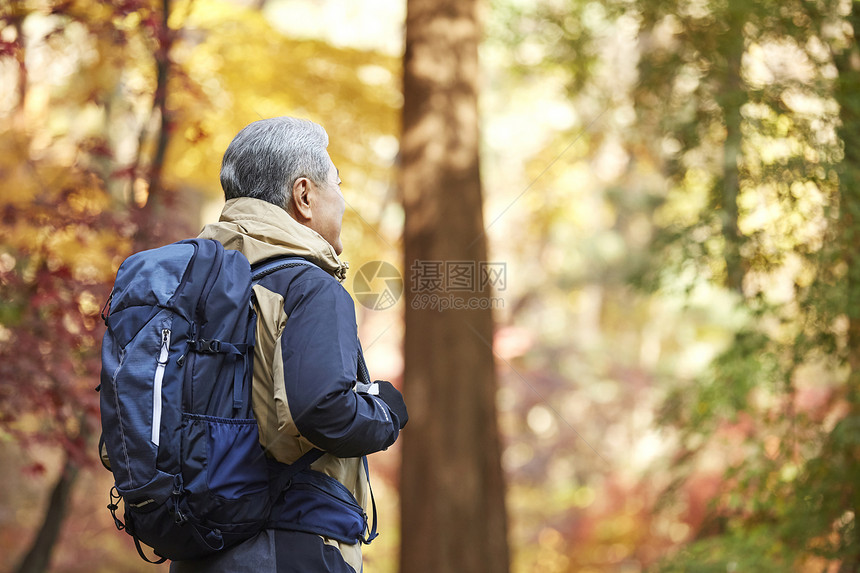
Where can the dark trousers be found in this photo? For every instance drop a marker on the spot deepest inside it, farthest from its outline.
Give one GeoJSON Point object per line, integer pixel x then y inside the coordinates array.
{"type": "Point", "coordinates": [272, 551]}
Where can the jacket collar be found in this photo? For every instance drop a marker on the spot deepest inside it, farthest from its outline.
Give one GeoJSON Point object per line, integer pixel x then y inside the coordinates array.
{"type": "Point", "coordinates": [263, 231]}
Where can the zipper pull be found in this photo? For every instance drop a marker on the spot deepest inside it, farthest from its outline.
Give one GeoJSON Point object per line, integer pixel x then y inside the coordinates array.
{"type": "Point", "coordinates": [165, 346]}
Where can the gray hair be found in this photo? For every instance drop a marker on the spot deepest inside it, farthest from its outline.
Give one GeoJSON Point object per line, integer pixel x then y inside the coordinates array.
{"type": "Point", "coordinates": [266, 158]}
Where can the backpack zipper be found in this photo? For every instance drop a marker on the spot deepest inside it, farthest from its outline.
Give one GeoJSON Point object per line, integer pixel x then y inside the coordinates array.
{"type": "Point", "coordinates": [200, 313]}
{"type": "Point", "coordinates": [156, 385]}
{"type": "Point", "coordinates": [350, 500]}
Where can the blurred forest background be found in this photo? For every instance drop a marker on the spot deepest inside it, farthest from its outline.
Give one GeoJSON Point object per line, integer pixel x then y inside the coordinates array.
{"type": "Point", "coordinates": [673, 187]}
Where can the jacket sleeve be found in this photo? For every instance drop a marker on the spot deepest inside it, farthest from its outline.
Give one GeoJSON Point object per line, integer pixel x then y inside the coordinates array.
{"type": "Point", "coordinates": [320, 355]}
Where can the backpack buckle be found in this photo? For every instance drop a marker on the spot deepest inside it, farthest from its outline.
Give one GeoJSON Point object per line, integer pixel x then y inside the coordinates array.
{"type": "Point", "coordinates": [208, 346]}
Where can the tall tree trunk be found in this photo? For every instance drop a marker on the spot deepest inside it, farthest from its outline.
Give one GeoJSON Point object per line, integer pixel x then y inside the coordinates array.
{"type": "Point", "coordinates": [162, 69]}
{"type": "Point", "coordinates": [38, 557]}
{"type": "Point", "coordinates": [452, 489]}
{"type": "Point", "coordinates": [20, 52]}
{"type": "Point", "coordinates": [848, 96]}
{"type": "Point", "coordinates": [148, 216]}
{"type": "Point", "coordinates": [731, 97]}
{"type": "Point", "coordinates": [13, 14]}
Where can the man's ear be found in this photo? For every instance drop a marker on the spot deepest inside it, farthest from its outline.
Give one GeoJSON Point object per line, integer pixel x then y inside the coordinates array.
{"type": "Point", "coordinates": [300, 205]}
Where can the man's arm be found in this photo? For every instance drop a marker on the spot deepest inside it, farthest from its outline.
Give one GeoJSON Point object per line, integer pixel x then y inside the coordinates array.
{"type": "Point", "coordinates": [320, 356]}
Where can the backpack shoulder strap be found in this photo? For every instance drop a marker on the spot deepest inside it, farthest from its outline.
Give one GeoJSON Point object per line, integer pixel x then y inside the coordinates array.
{"type": "Point", "coordinates": [283, 473]}
{"type": "Point", "coordinates": [264, 269]}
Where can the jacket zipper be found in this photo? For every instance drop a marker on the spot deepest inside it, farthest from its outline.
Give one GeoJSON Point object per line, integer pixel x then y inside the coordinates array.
{"type": "Point", "coordinates": [156, 385]}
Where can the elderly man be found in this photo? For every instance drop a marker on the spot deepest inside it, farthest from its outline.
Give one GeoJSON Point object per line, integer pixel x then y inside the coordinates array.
{"type": "Point", "coordinates": [309, 386]}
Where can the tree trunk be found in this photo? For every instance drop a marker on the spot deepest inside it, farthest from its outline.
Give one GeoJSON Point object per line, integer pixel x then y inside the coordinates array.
{"type": "Point", "coordinates": [848, 65]}
{"type": "Point", "coordinates": [162, 69]}
{"type": "Point", "coordinates": [149, 214]}
{"type": "Point", "coordinates": [16, 18]}
{"type": "Point", "coordinates": [452, 490]}
{"type": "Point", "coordinates": [38, 557]}
{"type": "Point", "coordinates": [732, 96]}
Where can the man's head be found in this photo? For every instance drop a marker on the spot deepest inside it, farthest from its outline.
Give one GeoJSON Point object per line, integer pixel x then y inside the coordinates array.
{"type": "Point", "coordinates": [284, 161]}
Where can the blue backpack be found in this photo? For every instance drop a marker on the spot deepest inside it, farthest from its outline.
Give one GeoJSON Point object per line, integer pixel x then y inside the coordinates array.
{"type": "Point", "coordinates": [177, 424]}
